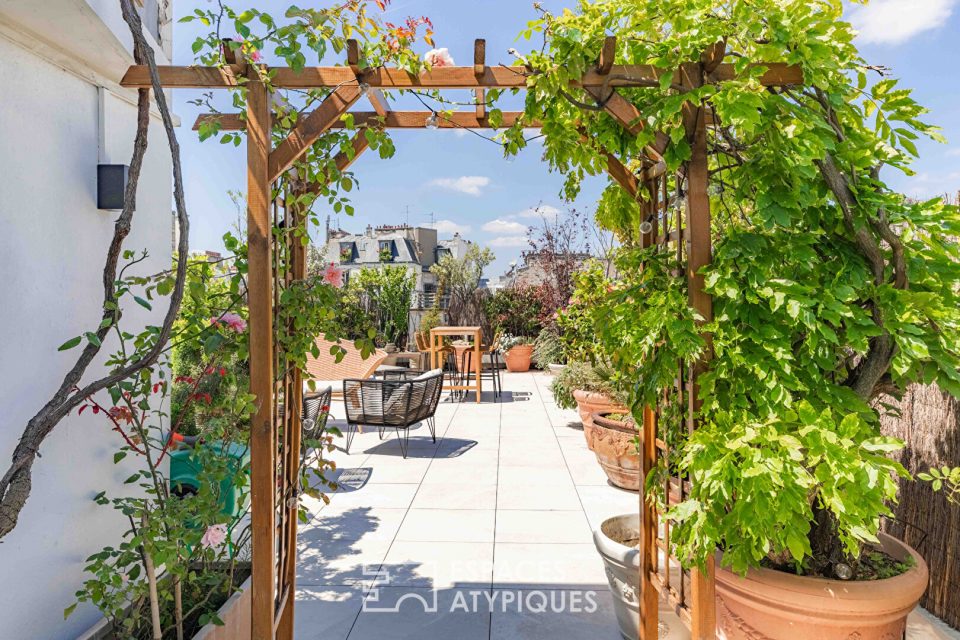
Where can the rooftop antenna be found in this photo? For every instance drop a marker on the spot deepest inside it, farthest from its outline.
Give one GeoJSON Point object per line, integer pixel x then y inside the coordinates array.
{"type": "Point", "coordinates": [408, 216]}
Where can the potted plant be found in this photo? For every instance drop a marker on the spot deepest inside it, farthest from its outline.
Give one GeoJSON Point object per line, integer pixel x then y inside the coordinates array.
{"type": "Point", "coordinates": [548, 351]}
{"type": "Point", "coordinates": [517, 352]}
{"type": "Point", "coordinates": [589, 390]}
{"type": "Point", "coordinates": [828, 288]}
{"type": "Point", "coordinates": [615, 443]}
{"type": "Point", "coordinates": [514, 314]}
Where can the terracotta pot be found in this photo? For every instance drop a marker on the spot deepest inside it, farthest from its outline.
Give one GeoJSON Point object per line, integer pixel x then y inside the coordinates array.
{"type": "Point", "coordinates": [518, 358]}
{"type": "Point", "coordinates": [613, 444]}
{"type": "Point", "coordinates": [773, 605]}
{"type": "Point", "coordinates": [589, 403]}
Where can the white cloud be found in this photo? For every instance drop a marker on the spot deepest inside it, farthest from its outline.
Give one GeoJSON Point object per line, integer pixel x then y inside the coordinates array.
{"type": "Point", "coordinates": [470, 185]}
{"type": "Point", "coordinates": [896, 21]}
{"type": "Point", "coordinates": [509, 241]}
{"type": "Point", "coordinates": [542, 211]}
{"type": "Point", "coordinates": [448, 227]}
{"type": "Point", "coordinates": [953, 153]}
{"type": "Point", "coordinates": [505, 227]}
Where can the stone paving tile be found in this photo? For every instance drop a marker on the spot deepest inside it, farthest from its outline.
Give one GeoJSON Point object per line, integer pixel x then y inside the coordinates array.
{"type": "Point", "coordinates": [326, 613]}
{"type": "Point", "coordinates": [542, 527]}
{"type": "Point", "coordinates": [405, 613]}
{"type": "Point", "coordinates": [448, 525]}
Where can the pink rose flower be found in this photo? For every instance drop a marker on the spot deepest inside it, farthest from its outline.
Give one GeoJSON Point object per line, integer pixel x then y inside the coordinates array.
{"type": "Point", "coordinates": [438, 58]}
{"type": "Point", "coordinates": [333, 276]}
{"type": "Point", "coordinates": [230, 320]}
{"type": "Point", "coordinates": [214, 536]}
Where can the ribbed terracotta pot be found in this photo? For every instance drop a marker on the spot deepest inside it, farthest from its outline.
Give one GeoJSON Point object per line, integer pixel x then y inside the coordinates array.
{"type": "Point", "coordinates": [613, 444]}
{"type": "Point", "coordinates": [773, 605]}
{"type": "Point", "coordinates": [518, 358]}
{"type": "Point", "coordinates": [589, 403]}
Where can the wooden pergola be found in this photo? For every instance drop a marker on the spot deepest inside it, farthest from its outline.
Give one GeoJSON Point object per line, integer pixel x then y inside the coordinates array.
{"type": "Point", "coordinates": [275, 441]}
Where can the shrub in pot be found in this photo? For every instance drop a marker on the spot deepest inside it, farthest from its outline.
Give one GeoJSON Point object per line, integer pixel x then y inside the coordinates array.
{"type": "Point", "coordinates": [615, 442]}
{"type": "Point", "coordinates": [588, 389]}
{"type": "Point", "coordinates": [548, 350]}
{"type": "Point", "coordinates": [517, 352]}
{"type": "Point", "coordinates": [829, 290]}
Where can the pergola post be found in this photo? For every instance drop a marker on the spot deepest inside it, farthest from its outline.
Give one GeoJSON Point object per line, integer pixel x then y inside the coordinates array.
{"type": "Point", "coordinates": [263, 464]}
{"type": "Point", "coordinates": [703, 622]}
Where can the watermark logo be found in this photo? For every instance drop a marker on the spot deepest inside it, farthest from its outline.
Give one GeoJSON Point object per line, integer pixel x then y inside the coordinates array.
{"type": "Point", "coordinates": [466, 600]}
{"type": "Point", "coordinates": [372, 602]}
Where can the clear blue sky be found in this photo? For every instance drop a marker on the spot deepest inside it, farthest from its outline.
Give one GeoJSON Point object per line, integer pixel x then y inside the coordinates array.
{"type": "Point", "coordinates": [463, 183]}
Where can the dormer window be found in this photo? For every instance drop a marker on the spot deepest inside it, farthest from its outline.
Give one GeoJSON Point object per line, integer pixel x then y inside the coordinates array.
{"type": "Point", "coordinates": [386, 251]}
{"type": "Point", "coordinates": [348, 252]}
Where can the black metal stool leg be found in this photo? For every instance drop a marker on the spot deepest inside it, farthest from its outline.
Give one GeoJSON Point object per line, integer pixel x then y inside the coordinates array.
{"type": "Point", "coordinates": [351, 432]}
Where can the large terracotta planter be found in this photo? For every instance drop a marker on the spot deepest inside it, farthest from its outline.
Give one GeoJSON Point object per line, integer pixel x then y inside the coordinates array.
{"type": "Point", "coordinates": [773, 605]}
{"type": "Point", "coordinates": [589, 403]}
{"type": "Point", "coordinates": [616, 450]}
{"type": "Point", "coordinates": [518, 358]}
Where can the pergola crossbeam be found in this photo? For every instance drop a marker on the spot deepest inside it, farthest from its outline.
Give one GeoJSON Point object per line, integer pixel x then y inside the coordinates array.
{"type": "Point", "coordinates": [498, 77]}
{"type": "Point", "coordinates": [390, 120]}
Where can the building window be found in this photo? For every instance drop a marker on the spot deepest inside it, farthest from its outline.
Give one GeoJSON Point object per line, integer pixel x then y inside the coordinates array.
{"type": "Point", "coordinates": [347, 252]}
{"type": "Point", "coordinates": [150, 13]}
{"type": "Point", "coordinates": [386, 251]}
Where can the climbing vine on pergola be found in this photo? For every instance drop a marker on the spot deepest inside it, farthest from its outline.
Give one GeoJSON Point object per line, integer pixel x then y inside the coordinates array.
{"type": "Point", "coordinates": [279, 194]}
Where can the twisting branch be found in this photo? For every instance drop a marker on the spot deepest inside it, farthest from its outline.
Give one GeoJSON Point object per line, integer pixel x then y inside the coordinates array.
{"type": "Point", "coordinates": [16, 483]}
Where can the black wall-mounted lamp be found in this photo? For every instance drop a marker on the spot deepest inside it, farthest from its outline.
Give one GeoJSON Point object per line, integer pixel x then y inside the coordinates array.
{"type": "Point", "coordinates": [111, 185]}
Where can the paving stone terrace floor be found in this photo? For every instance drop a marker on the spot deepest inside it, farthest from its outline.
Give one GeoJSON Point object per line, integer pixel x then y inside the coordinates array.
{"type": "Point", "coordinates": [484, 535]}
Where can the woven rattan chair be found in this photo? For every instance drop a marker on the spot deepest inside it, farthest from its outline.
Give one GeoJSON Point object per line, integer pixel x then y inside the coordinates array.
{"type": "Point", "coordinates": [316, 410]}
{"type": "Point", "coordinates": [393, 404]}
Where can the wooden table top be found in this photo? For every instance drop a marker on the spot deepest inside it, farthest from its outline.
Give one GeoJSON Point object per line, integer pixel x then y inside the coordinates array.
{"type": "Point", "coordinates": [453, 331]}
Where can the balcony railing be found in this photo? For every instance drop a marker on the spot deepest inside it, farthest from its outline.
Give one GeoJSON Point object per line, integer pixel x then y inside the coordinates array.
{"type": "Point", "coordinates": [428, 300]}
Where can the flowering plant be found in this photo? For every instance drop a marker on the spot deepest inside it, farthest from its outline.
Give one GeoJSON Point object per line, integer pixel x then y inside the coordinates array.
{"type": "Point", "coordinates": [505, 341]}
{"type": "Point", "coordinates": [439, 58]}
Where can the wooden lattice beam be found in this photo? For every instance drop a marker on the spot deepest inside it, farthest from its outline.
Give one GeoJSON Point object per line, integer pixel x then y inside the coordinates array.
{"type": "Point", "coordinates": [311, 128]}
{"type": "Point", "coordinates": [503, 77]}
{"type": "Point", "coordinates": [377, 100]}
{"type": "Point", "coordinates": [343, 160]}
{"type": "Point", "coordinates": [391, 120]}
{"type": "Point", "coordinates": [479, 68]}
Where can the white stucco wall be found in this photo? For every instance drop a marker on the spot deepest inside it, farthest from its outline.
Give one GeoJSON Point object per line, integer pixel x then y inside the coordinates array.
{"type": "Point", "coordinates": [52, 247]}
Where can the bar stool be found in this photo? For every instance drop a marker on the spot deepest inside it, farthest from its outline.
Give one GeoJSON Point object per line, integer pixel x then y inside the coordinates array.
{"type": "Point", "coordinates": [492, 374]}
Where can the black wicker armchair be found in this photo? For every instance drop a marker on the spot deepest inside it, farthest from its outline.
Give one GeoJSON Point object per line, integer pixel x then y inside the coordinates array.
{"type": "Point", "coordinates": [316, 410]}
{"type": "Point", "coordinates": [393, 404]}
